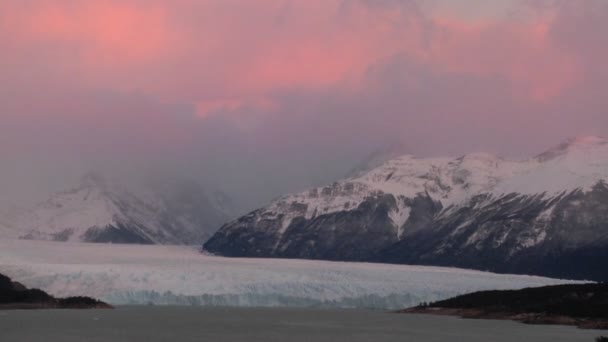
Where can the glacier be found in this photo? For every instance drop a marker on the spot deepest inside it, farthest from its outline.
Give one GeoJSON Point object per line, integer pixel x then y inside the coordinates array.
{"type": "Point", "coordinates": [182, 275]}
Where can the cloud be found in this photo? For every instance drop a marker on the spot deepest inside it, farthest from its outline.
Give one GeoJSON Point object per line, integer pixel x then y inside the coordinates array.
{"type": "Point", "coordinates": [272, 96]}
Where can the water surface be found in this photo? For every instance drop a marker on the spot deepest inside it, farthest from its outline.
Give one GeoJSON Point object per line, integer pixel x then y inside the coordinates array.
{"type": "Point", "coordinates": [151, 324]}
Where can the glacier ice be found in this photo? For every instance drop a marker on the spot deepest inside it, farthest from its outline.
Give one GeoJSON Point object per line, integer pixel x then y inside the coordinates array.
{"type": "Point", "coordinates": [179, 275]}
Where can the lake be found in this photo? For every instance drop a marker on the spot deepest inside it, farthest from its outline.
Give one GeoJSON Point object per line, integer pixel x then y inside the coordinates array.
{"type": "Point", "coordinates": [157, 323]}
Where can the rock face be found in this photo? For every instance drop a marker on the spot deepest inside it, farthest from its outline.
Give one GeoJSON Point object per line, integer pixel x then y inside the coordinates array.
{"type": "Point", "coordinates": [547, 215]}
{"type": "Point", "coordinates": [565, 236]}
{"type": "Point", "coordinates": [107, 212]}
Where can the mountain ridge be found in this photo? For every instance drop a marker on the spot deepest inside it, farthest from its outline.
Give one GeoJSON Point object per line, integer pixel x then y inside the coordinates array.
{"type": "Point", "coordinates": [428, 210]}
{"type": "Point", "coordinates": [102, 210]}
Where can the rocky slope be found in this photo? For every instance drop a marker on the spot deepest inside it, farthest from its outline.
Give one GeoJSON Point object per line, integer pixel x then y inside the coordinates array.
{"type": "Point", "coordinates": [99, 210]}
{"type": "Point", "coordinates": [546, 215]}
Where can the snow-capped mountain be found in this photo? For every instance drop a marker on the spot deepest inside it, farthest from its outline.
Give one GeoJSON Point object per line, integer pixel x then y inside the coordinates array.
{"type": "Point", "coordinates": [545, 215]}
{"type": "Point", "coordinates": [106, 211]}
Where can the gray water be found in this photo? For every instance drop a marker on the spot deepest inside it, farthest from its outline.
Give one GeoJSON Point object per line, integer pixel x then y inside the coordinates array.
{"type": "Point", "coordinates": [151, 324]}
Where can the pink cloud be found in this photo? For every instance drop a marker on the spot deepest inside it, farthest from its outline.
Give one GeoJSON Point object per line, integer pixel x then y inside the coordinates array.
{"type": "Point", "coordinates": [108, 32]}
{"type": "Point", "coordinates": [522, 52]}
{"type": "Point", "coordinates": [210, 51]}
{"type": "Point", "coordinates": [298, 85]}
{"type": "Point", "coordinates": [223, 56]}
{"type": "Point", "coordinates": [203, 51]}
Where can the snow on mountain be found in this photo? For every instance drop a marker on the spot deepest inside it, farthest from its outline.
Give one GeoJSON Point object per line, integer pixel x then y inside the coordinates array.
{"type": "Point", "coordinates": [106, 211]}
{"type": "Point", "coordinates": [578, 163]}
{"type": "Point", "coordinates": [406, 197]}
{"type": "Point", "coordinates": [174, 275]}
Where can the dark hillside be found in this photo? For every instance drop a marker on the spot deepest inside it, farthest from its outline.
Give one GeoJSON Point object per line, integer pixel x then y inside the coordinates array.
{"type": "Point", "coordinates": [14, 295]}
{"type": "Point", "coordinates": [584, 305]}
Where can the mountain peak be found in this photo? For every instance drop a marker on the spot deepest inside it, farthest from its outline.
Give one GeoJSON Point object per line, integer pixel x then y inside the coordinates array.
{"type": "Point", "coordinates": [580, 143]}
{"type": "Point", "coordinates": [101, 209]}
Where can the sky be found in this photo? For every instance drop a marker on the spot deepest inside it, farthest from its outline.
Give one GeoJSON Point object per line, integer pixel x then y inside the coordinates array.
{"type": "Point", "coordinates": [260, 98]}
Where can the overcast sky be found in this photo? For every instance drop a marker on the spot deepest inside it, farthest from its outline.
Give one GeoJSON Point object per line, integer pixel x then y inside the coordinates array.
{"type": "Point", "coordinates": [264, 97]}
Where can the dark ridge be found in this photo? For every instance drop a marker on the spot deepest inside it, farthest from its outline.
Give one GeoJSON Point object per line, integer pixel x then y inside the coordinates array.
{"type": "Point", "coordinates": [583, 305]}
{"type": "Point", "coordinates": [14, 295]}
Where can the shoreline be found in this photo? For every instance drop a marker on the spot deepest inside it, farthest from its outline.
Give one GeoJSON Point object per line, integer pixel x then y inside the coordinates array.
{"type": "Point", "coordinates": [525, 318]}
